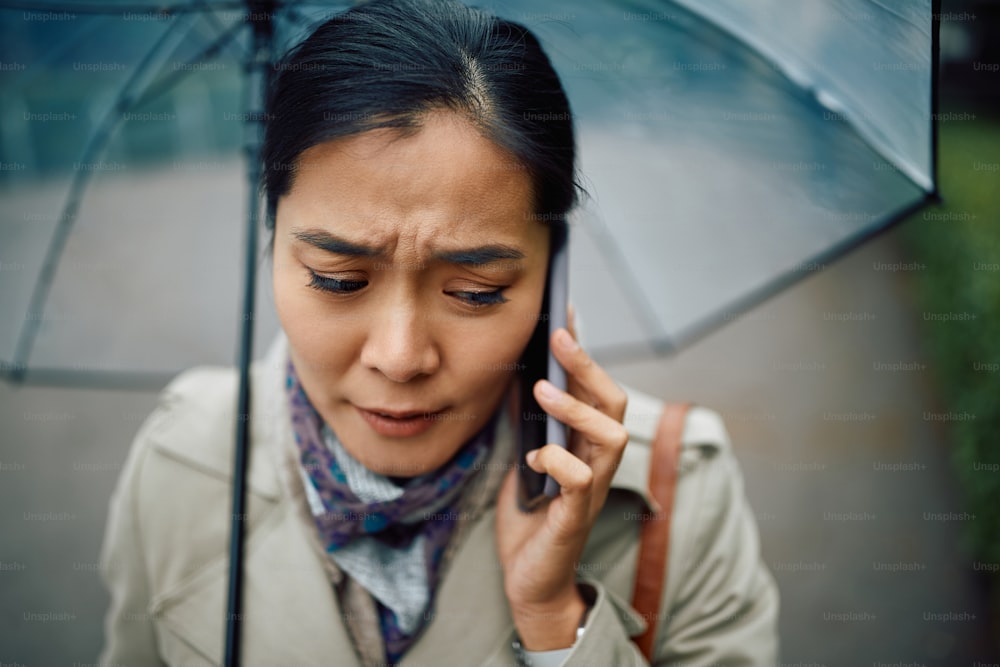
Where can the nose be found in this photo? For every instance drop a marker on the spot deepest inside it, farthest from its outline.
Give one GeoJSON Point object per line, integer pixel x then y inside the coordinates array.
{"type": "Point", "coordinates": [400, 345]}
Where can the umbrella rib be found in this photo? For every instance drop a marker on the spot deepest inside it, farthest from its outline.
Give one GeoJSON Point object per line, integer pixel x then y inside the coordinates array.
{"type": "Point", "coordinates": [147, 381]}
{"type": "Point", "coordinates": [163, 85]}
{"type": "Point", "coordinates": [38, 68]}
{"type": "Point", "coordinates": [214, 22]}
{"type": "Point", "coordinates": [297, 16]}
{"type": "Point", "coordinates": [899, 16]}
{"type": "Point", "coordinates": [56, 246]}
{"type": "Point", "coordinates": [771, 288]}
{"type": "Point", "coordinates": [630, 352]}
{"type": "Point", "coordinates": [113, 8]}
{"type": "Point", "coordinates": [619, 263]}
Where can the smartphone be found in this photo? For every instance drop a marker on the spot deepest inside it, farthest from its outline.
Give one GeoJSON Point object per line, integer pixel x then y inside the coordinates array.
{"type": "Point", "coordinates": [537, 428]}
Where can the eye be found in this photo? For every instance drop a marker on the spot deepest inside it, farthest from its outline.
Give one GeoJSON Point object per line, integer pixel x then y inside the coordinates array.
{"type": "Point", "coordinates": [480, 299]}
{"type": "Point", "coordinates": [334, 285]}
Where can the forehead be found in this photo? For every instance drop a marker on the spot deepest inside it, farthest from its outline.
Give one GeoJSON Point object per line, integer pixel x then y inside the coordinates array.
{"type": "Point", "coordinates": [445, 181]}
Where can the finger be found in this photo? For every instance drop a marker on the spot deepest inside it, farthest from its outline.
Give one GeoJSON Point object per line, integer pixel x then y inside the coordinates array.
{"type": "Point", "coordinates": [572, 385]}
{"type": "Point", "coordinates": [603, 392]}
{"type": "Point", "coordinates": [576, 483]}
{"type": "Point", "coordinates": [587, 420]}
{"type": "Point", "coordinates": [607, 437]}
{"type": "Point", "coordinates": [571, 320]}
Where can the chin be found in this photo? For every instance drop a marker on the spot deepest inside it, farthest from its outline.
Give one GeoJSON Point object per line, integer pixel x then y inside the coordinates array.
{"type": "Point", "coordinates": [399, 459]}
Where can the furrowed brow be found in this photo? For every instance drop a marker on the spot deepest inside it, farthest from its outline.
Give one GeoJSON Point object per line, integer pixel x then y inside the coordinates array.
{"type": "Point", "coordinates": [324, 240]}
{"type": "Point", "coordinates": [478, 256]}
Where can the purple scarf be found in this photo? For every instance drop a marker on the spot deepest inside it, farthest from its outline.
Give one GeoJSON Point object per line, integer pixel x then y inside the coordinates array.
{"type": "Point", "coordinates": [347, 517]}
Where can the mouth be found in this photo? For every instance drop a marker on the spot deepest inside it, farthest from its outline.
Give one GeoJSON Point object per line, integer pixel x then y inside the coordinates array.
{"type": "Point", "coordinates": [400, 414]}
{"type": "Point", "coordinates": [399, 423]}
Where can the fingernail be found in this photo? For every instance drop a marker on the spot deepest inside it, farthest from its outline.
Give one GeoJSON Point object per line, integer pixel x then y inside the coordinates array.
{"type": "Point", "coordinates": [531, 456]}
{"type": "Point", "coordinates": [567, 341]}
{"type": "Point", "coordinates": [548, 390]}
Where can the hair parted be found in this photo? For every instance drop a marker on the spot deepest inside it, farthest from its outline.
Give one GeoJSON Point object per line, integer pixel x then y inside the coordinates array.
{"type": "Point", "coordinates": [387, 63]}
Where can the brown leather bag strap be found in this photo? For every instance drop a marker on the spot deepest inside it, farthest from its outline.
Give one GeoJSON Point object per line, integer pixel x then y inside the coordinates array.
{"type": "Point", "coordinates": [654, 534]}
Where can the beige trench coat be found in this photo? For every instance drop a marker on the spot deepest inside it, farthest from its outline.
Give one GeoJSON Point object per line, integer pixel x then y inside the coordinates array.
{"type": "Point", "coordinates": [164, 558]}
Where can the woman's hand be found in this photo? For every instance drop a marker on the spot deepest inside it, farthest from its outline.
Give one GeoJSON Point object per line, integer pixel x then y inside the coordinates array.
{"type": "Point", "coordinates": [539, 551]}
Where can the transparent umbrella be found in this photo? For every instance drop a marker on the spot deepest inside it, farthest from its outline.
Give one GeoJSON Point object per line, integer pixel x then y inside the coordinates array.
{"type": "Point", "coordinates": [728, 148]}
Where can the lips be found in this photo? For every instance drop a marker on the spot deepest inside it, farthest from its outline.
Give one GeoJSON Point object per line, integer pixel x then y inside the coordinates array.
{"type": "Point", "coordinates": [399, 423]}
{"type": "Point", "coordinates": [399, 414]}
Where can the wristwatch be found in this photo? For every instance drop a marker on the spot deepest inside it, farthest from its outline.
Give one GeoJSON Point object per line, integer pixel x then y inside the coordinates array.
{"type": "Point", "coordinates": [522, 657]}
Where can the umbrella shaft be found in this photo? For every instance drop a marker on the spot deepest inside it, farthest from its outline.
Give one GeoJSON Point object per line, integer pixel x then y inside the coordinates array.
{"type": "Point", "coordinates": [260, 15]}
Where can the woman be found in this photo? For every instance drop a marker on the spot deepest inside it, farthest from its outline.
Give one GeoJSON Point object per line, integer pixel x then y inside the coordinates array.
{"type": "Point", "coordinates": [414, 155]}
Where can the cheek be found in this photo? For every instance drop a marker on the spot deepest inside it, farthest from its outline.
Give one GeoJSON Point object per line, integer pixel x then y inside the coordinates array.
{"type": "Point", "coordinates": [490, 355]}
{"type": "Point", "coordinates": [307, 325]}
{"type": "Point", "coordinates": [291, 303]}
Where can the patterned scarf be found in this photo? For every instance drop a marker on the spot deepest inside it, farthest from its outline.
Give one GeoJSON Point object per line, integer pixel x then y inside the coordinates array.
{"type": "Point", "coordinates": [381, 540]}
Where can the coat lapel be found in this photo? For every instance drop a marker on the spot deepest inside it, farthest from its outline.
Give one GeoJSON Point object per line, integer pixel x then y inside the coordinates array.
{"type": "Point", "coordinates": [471, 622]}
{"type": "Point", "coordinates": [290, 611]}
{"type": "Point", "coordinates": [471, 618]}
{"type": "Point", "coordinates": [290, 614]}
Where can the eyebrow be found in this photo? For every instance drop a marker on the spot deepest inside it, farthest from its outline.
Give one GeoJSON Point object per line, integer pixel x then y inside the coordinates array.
{"type": "Point", "coordinates": [486, 254]}
{"type": "Point", "coordinates": [324, 240]}
{"type": "Point", "coordinates": [479, 256]}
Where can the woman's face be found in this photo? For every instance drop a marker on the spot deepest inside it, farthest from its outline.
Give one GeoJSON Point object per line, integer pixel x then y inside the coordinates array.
{"type": "Point", "coordinates": [408, 276]}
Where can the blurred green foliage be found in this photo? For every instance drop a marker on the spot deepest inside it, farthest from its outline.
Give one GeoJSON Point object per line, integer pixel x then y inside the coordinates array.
{"type": "Point", "coordinates": [959, 241]}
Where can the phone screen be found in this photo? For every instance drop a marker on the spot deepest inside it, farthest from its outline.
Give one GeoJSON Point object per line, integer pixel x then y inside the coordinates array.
{"type": "Point", "coordinates": [536, 427]}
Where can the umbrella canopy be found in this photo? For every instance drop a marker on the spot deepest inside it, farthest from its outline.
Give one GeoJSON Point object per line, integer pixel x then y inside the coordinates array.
{"type": "Point", "coordinates": [727, 148]}
{"type": "Point", "coordinates": [732, 147]}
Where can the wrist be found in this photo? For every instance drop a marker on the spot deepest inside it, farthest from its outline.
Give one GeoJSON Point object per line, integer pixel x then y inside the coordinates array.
{"type": "Point", "coordinates": [551, 626]}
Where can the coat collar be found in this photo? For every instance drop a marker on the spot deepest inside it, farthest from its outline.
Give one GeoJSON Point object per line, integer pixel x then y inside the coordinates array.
{"type": "Point", "coordinates": [208, 395]}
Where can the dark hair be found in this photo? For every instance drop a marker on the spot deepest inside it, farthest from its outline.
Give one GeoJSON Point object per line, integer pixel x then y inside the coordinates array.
{"type": "Point", "coordinates": [387, 63]}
